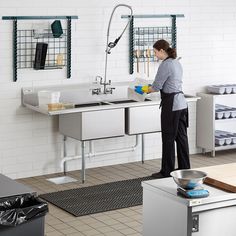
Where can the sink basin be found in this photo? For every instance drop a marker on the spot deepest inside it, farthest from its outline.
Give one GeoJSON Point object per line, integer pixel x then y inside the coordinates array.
{"type": "Point", "coordinates": [106, 103]}
{"type": "Point", "coordinates": [90, 104]}
{"type": "Point", "coordinates": [122, 101]}
{"type": "Point", "coordinates": [127, 101]}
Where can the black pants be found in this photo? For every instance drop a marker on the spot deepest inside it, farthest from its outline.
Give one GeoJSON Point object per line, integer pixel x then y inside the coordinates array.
{"type": "Point", "coordinates": [174, 129]}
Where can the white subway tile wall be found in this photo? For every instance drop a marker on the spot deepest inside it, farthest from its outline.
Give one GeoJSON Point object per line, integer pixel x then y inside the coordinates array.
{"type": "Point", "coordinates": [30, 143]}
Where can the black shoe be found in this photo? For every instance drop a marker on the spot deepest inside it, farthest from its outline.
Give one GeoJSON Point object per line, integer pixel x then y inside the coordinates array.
{"type": "Point", "coordinates": [158, 175]}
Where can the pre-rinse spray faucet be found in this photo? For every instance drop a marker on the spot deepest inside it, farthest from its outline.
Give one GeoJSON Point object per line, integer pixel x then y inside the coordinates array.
{"type": "Point", "coordinates": [110, 45]}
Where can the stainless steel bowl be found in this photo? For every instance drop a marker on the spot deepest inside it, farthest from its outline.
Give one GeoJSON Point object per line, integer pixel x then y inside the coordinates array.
{"type": "Point", "coordinates": [188, 179]}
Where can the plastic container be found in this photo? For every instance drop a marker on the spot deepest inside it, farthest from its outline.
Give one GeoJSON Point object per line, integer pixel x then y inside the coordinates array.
{"type": "Point", "coordinates": [234, 88]}
{"type": "Point", "coordinates": [22, 215]}
{"type": "Point", "coordinates": [219, 114]}
{"type": "Point", "coordinates": [233, 139]}
{"type": "Point", "coordinates": [226, 114]}
{"type": "Point", "coordinates": [48, 97]}
{"type": "Point", "coordinates": [219, 141]}
{"type": "Point", "coordinates": [218, 89]}
{"type": "Point", "coordinates": [233, 113]}
{"type": "Point", "coordinates": [136, 96]}
{"type": "Point", "coordinates": [222, 88]}
{"type": "Point", "coordinates": [230, 135]}
{"type": "Point", "coordinates": [228, 140]}
{"type": "Point", "coordinates": [228, 89]}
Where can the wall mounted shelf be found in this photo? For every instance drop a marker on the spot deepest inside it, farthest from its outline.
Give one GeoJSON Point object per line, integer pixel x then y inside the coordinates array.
{"type": "Point", "coordinates": [24, 43]}
{"type": "Point", "coordinates": [141, 39]}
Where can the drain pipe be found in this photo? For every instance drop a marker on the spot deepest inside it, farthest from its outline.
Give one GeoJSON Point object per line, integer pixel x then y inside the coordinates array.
{"type": "Point", "coordinates": [93, 154]}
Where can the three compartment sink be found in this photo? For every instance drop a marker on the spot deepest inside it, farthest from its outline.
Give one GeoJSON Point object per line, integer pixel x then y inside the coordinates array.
{"type": "Point", "coordinates": [96, 124]}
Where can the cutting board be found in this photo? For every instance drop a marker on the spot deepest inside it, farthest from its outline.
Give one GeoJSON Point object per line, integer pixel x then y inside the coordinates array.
{"type": "Point", "coordinates": [221, 176]}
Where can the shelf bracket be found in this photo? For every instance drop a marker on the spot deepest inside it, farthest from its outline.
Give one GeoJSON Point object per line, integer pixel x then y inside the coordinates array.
{"type": "Point", "coordinates": [68, 47]}
{"type": "Point", "coordinates": [174, 31]}
{"type": "Point", "coordinates": [14, 50]}
{"type": "Point", "coordinates": [131, 48]}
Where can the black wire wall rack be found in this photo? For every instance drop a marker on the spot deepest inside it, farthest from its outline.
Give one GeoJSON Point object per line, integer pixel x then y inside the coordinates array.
{"type": "Point", "coordinates": [141, 39]}
{"type": "Point", "coordinates": [24, 44]}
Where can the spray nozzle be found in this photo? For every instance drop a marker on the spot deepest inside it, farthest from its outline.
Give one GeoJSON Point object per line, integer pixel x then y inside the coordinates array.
{"type": "Point", "coordinates": [112, 45]}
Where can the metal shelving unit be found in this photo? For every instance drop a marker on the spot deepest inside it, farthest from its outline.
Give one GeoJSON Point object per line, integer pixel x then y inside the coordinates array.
{"type": "Point", "coordinates": [24, 44]}
{"type": "Point", "coordinates": [142, 39]}
{"type": "Point", "coordinates": [207, 123]}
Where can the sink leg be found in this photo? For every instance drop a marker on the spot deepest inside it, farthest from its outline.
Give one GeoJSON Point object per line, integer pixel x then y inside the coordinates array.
{"type": "Point", "coordinates": [64, 153]}
{"type": "Point", "coordinates": [143, 147]}
{"type": "Point", "coordinates": [83, 161]}
{"type": "Point", "coordinates": [213, 153]}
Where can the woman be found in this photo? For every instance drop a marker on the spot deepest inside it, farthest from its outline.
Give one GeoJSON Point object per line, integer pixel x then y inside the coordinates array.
{"type": "Point", "coordinates": [174, 110]}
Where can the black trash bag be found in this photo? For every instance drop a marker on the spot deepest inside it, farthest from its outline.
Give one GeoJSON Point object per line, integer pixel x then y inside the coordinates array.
{"type": "Point", "coordinates": [20, 209]}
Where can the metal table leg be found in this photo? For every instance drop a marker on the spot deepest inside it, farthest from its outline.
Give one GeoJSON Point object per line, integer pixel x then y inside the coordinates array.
{"type": "Point", "coordinates": [64, 153]}
{"type": "Point", "coordinates": [63, 179]}
{"type": "Point", "coordinates": [142, 147]}
{"type": "Point", "coordinates": [83, 161]}
{"type": "Point", "coordinates": [213, 153]}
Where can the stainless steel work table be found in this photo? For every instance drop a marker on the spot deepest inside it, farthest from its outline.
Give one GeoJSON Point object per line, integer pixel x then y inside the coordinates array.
{"type": "Point", "coordinates": [9, 188]}
{"type": "Point", "coordinates": [166, 213]}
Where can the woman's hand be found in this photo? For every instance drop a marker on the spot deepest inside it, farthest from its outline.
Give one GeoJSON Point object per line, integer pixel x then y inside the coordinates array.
{"type": "Point", "coordinates": [142, 89]}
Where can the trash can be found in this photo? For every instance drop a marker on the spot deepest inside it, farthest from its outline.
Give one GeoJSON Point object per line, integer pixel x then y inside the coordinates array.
{"type": "Point", "coordinates": [22, 215]}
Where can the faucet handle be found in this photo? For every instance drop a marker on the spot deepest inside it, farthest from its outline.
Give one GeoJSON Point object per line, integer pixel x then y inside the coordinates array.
{"type": "Point", "coordinates": [96, 91]}
{"type": "Point", "coordinates": [98, 77]}
{"type": "Point", "coordinates": [109, 90]}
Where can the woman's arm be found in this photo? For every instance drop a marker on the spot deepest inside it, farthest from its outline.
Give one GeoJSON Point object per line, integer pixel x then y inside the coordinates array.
{"type": "Point", "coordinates": [162, 75]}
{"type": "Point", "coordinates": [151, 90]}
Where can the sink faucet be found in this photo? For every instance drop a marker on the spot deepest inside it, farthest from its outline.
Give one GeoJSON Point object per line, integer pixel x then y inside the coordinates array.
{"type": "Point", "coordinates": [109, 46]}
{"type": "Point", "coordinates": [106, 90]}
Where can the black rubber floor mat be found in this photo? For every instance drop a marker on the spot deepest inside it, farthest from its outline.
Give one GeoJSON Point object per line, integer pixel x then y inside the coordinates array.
{"type": "Point", "coordinates": [98, 198]}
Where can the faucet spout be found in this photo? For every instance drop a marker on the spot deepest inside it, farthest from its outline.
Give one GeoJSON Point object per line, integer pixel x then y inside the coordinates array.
{"type": "Point", "coordinates": [110, 45]}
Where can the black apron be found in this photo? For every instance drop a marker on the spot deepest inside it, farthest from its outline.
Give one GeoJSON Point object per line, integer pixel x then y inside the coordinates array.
{"type": "Point", "coordinates": [174, 129]}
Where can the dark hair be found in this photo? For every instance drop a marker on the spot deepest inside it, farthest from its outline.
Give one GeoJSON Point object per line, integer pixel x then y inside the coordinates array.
{"type": "Point", "coordinates": [163, 44]}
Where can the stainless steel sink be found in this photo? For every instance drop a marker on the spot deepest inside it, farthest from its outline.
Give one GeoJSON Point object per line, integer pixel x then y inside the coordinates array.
{"type": "Point", "coordinates": [96, 124]}
{"type": "Point", "coordinates": [122, 101]}
{"type": "Point", "coordinates": [126, 101]}
{"type": "Point", "coordinates": [142, 119]}
{"type": "Point", "coordinates": [90, 104]}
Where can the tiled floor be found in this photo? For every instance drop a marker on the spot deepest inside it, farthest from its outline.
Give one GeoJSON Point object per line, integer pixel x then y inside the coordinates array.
{"type": "Point", "coordinates": [126, 221]}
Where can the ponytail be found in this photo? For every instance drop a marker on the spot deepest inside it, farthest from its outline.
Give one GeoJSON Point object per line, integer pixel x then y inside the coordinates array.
{"type": "Point", "coordinates": [171, 52]}
{"type": "Point", "coordinates": [163, 44]}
